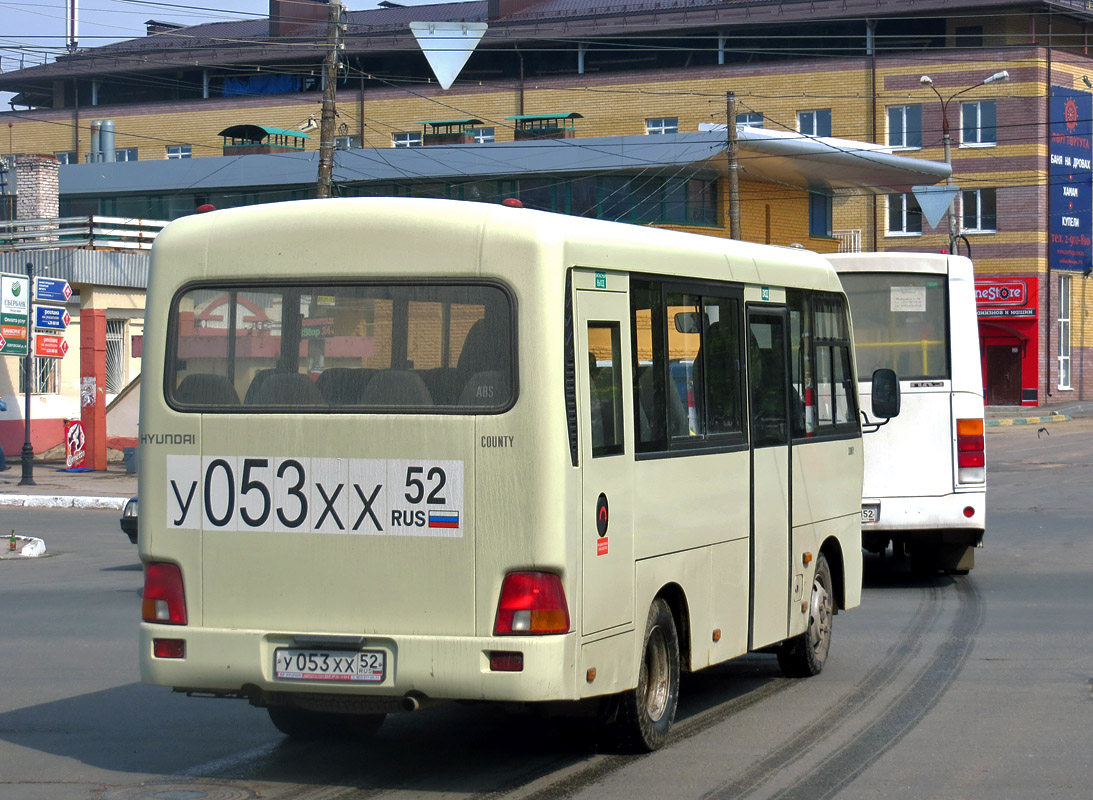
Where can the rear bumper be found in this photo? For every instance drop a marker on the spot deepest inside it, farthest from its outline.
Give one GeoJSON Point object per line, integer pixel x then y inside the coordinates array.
{"type": "Point", "coordinates": [929, 515]}
{"type": "Point", "coordinates": [241, 662]}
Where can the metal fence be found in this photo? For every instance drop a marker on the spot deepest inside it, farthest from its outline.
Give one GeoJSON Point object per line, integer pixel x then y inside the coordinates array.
{"type": "Point", "coordinates": [93, 231]}
{"type": "Point", "coordinates": [849, 240]}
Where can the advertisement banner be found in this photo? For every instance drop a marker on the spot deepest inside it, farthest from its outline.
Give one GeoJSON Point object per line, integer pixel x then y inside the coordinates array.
{"type": "Point", "coordinates": [1070, 192]}
{"type": "Point", "coordinates": [75, 442]}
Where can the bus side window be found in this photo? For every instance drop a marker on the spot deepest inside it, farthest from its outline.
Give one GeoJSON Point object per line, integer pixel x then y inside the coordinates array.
{"type": "Point", "coordinates": [605, 388]}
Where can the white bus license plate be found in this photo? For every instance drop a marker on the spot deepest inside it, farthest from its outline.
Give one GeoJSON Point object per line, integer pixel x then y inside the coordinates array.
{"type": "Point", "coordinates": [329, 665]}
{"type": "Point", "coordinates": [870, 513]}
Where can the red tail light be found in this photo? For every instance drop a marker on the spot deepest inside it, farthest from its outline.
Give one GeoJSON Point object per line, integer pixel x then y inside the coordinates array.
{"type": "Point", "coordinates": [531, 603]}
{"type": "Point", "coordinates": [164, 597]}
{"type": "Point", "coordinates": [970, 451]}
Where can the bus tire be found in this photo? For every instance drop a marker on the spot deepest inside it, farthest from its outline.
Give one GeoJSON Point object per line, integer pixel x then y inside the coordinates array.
{"type": "Point", "coordinates": [305, 725]}
{"type": "Point", "coordinates": [804, 655]}
{"type": "Point", "coordinates": [645, 714]}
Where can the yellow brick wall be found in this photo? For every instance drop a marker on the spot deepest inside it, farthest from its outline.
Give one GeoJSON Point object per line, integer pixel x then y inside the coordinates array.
{"type": "Point", "coordinates": [616, 104]}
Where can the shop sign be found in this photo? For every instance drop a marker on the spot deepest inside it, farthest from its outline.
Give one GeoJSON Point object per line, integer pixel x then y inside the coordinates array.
{"type": "Point", "coordinates": [1004, 298]}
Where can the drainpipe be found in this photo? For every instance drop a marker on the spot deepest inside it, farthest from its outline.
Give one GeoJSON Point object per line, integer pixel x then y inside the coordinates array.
{"type": "Point", "coordinates": [871, 51]}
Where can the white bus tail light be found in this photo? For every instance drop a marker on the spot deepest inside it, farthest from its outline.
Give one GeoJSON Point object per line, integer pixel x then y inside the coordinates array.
{"type": "Point", "coordinates": [164, 597]}
{"type": "Point", "coordinates": [531, 603]}
{"type": "Point", "coordinates": [971, 458]}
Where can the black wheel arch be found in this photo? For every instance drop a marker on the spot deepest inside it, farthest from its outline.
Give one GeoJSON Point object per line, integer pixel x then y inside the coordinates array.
{"type": "Point", "coordinates": [674, 596]}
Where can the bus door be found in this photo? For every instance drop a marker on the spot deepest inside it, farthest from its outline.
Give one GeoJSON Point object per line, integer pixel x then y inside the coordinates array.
{"type": "Point", "coordinates": [770, 475]}
{"type": "Point", "coordinates": [604, 403]}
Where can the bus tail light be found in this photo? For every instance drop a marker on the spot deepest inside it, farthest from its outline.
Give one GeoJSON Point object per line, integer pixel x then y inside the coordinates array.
{"type": "Point", "coordinates": [531, 603]}
{"type": "Point", "coordinates": [169, 648]}
{"type": "Point", "coordinates": [164, 597]}
{"type": "Point", "coordinates": [971, 457]}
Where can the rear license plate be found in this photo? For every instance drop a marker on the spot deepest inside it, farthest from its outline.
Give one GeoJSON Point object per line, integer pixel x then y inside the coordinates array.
{"type": "Point", "coordinates": [368, 666]}
{"type": "Point", "coordinates": [870, 513]}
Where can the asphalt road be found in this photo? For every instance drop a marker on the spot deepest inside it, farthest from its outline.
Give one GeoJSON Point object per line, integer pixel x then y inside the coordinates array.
{"type": "Point", "coordinates": [974, 687]}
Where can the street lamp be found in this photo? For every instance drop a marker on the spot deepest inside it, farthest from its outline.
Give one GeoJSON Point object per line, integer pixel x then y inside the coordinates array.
{"type": "Point", "coordinates": [926, 80]}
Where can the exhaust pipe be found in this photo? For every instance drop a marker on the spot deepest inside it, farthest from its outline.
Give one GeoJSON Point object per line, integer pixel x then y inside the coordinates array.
{"type": "Point", "coordinates": [412, 701]}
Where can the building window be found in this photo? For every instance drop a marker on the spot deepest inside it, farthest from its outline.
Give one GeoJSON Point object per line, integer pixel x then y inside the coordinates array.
{"type": "Point", "coordinates": [904, 215]}
{"type": "Point", "coordinates": [815, 123]}
{"type": "Point", "coordinates": [969, 36]}
{"type": "Point", "coordinates": [347, 142]}
{"type": "Point", "coordinates": [406, 139]}
{"type": "Point", "coordinates": [978, 124]}
{"type": "Point", "coordinates": [66, 157]}
{"type": "Point", "coordinates": [662, 125]}
{"type": "Point", "coordinates": [980, 210]}
{"type": "Point", "coordinates": [179, 151]}
{"type": "Point", "coordinates": [1064, 332]}
{"type": "Point", "coordinates": [483, 135]}
{"type": "Point", "coordinates": [750, 118]}
{"type": "Point", "coordinates": [125, 154]}
{"type": "Point", "coordinates": [819, 215]}
{"type": "Point", "coordinates": [115, 355]}
{"type": "Point", "coordinates": [905, 126]}
{"type": "Point", "coordinates": [45, 373]}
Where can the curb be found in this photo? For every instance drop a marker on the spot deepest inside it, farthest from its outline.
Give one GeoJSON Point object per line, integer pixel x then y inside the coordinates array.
{"type": "Point", "coordinates": [62, 501]}
{"type": "Point", "coordinates": [1027, 420]}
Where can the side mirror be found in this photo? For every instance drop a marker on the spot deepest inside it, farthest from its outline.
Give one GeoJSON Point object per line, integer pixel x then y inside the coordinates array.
{"type": "Point", "coordinates": [885, 394]}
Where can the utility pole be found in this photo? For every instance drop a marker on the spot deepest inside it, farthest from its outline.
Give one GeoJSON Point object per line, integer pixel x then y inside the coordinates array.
{"type": "Point", "coordinates": [734, 176]}
{"type": "Point", "coordinates": [330, 80]}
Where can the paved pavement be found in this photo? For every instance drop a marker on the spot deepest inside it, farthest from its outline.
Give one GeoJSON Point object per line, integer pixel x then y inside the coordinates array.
{"type": "Point", "coordinates": [54, 487]}
{"type": "Point", "coordinates": [57, 488]}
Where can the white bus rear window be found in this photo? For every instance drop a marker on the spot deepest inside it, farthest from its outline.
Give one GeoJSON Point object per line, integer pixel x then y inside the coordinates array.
{"type": "Point", "coordinates": [900, 323]}
{"type": "Point", "coordinates": [420, 348]}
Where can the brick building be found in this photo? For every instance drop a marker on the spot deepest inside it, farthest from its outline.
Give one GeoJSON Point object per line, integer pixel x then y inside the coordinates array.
{"type": "Point", "coordinates": [827, 68]}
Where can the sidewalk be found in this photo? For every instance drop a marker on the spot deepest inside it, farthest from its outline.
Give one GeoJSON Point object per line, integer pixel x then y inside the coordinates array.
{"type": "Point", "coordinates": [1030, 415]}
{"type": "Point", "coordinates": [56, 488]}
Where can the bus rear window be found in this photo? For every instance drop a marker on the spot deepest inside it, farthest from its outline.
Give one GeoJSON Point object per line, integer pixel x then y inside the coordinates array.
{"type": "Point", "coordinates": [900, 322]}
{"type": "Point", "coordinates": [419, 348]}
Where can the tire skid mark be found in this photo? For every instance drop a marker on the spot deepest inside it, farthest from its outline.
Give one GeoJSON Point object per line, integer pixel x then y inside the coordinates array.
{"type": "Point", "coordinates": [905, 711]}
{"type": "Point", "coordinates": [879, 677]}
{"type": "Point", "coordinates": [925, 616]}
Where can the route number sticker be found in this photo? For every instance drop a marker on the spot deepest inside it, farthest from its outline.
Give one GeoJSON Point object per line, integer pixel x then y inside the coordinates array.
{"type": "Point", "coordinates": [370, 496]}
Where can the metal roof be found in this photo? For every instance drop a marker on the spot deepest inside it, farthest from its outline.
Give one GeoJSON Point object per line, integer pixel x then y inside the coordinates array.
{"type": "Point", "coordinates": [382, 30]}
{"type": "Point", "coordinates": [825, 165]}
{"type": "Point", "coordinates": [128, 270]}
{"type": "Point", "coordinates": [560, 115]}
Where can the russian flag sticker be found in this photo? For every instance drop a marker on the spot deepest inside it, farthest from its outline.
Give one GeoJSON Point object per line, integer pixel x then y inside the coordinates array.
{"type": "Point", "coordinates": [443, 519]}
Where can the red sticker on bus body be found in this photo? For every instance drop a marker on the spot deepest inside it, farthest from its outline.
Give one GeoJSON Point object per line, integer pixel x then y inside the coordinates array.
{"type": "Point", "coordinates": [601, 546]}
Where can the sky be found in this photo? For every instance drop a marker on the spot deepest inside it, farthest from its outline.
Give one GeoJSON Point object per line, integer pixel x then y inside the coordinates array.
{"type": "Point", "coordinates": [34, 31]}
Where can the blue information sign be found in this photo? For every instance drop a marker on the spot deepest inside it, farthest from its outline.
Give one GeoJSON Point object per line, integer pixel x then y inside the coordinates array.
{"type": "Point", "coordinates": [52, 290]}
{"type": "Point", "coordinates": [1071, 170]}
{"type": "Point", "coordinates": [51, 318]}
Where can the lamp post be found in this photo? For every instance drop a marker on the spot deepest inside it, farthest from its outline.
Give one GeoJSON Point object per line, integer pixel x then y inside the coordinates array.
{"type": "Point", "coordinates": [946, 139]}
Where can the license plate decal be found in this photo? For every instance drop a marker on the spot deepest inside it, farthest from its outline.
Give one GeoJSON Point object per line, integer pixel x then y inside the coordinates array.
{"type": "Point", "coordinates": [870, 514]}
{"type": "Point", "coordinates": [366, 666]}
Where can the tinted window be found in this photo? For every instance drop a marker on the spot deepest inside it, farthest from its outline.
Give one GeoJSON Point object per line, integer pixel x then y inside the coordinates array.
{"type": "Point", "coordinates": [338, 347]}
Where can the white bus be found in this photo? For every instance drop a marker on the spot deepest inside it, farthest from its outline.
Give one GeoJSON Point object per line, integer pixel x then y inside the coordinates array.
{"type": "Point", "coordinates": [399, 451]}
{"type": "Point", "coordinates": [925, 473]}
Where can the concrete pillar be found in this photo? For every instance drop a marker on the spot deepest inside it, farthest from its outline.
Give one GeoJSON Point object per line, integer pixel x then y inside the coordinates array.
{"type": "Point", "coordinates": [93, 384]}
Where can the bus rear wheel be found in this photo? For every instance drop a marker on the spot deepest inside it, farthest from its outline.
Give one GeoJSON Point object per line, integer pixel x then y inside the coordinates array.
{"type": "Point", "coordinates": [645, 713]}
{"type": "Point", "coordinates": [298, 723]}
{"type": "Point", "coordinates": [804, 655]}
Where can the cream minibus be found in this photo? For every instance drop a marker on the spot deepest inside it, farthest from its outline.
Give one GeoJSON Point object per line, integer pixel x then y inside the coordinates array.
{"type": "Point", "coordinates": [925, 489]}
{"type": "Point", "coordinates": [396, 451]}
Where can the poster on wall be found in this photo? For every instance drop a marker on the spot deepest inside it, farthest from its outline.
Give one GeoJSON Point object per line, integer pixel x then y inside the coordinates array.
{"type": "Point", "coordinates": [1071, 195]}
